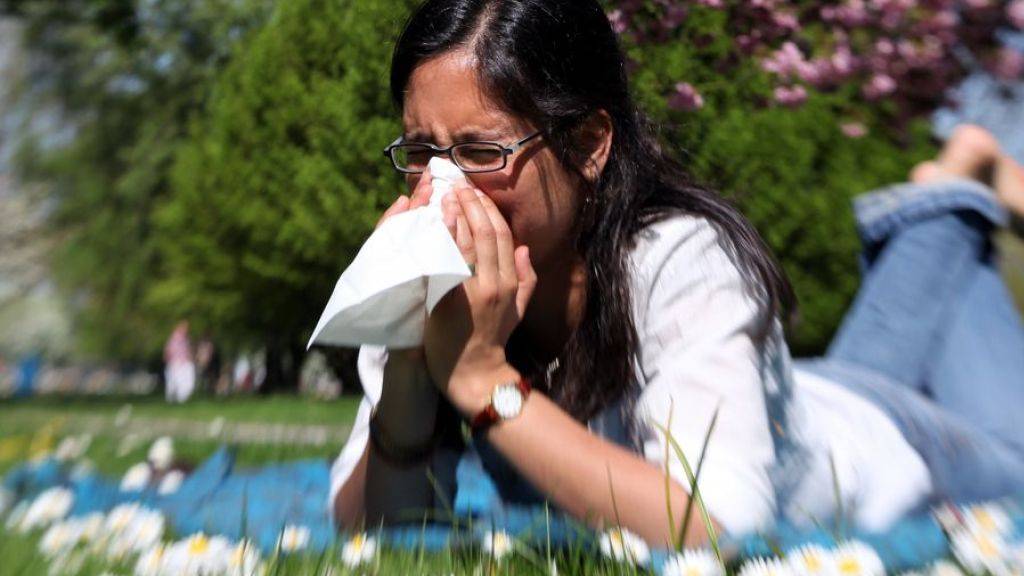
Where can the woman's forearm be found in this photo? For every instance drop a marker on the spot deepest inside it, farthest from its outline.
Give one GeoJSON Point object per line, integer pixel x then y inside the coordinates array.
{"type": "Point", "coordinates": [589, 477]}
{"type": "Point", "coordinates": [379, 490]}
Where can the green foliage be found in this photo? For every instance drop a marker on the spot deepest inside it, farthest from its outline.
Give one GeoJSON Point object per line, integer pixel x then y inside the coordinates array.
{"type": "Point", "coordinates": [791, 170]}
{"type": "Point", "coordinates": [283, 176]}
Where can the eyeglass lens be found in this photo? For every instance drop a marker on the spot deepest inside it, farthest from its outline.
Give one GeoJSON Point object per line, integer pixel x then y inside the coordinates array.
{"type": "Point", "coordinates": [470, 157]}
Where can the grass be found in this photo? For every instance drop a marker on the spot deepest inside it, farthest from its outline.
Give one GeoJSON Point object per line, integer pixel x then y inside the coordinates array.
{"type": "Point", "coordinates": [280, 409]}
{"type": "Point", "coordinates": [1012, 250]}
{"type": "Point", "coordinates": [30, 426]}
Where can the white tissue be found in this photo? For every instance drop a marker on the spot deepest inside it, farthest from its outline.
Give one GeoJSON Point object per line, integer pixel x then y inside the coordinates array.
{"type": "Point", "coordinates": [406, 266]}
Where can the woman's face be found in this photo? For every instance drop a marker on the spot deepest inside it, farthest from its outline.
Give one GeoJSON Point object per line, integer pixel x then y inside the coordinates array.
{"type": "Point", "coordinates": [445, 105]}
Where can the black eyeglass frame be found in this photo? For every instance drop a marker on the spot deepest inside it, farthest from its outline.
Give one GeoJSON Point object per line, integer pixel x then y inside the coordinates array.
{"type": "Point", "coordinates": [506, 151]}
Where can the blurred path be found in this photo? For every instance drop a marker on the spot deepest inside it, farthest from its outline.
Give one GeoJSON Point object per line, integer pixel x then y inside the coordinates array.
{"type": "Point", "coordinates": [145, 428]}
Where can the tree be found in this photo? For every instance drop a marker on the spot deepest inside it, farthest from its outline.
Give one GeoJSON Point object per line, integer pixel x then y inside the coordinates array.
{"type": "Point", "coordinates": [283, 177]}
{"type": "Point", "coordinates": [115, 82]}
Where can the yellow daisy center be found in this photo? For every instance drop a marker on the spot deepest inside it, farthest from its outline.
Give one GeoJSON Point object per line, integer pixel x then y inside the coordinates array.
{"type": "Point", "coordinates": [985, 520]}
{"type": "Point", "coordinates": [987, 547]}
{"type": "Point", "coordinates": [812, 562]}
{"type": "Point", "coordinates": [849, 565]}
{"type": "Point", "coordinates": [198, 545]}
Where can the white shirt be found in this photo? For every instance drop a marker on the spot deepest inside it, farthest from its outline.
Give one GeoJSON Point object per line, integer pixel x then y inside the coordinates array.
{"type": "Point", "coordinates": [778, 431]}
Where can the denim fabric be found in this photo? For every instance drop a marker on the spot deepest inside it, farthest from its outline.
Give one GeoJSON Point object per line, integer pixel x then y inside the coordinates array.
{"type": "Point", "coordinates": [933, 337]}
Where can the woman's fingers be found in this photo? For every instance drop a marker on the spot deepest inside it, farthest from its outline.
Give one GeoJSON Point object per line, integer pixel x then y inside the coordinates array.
{"type": "Point", "coordinates": [484, 237]}
{"type": "Point", "coordinates": [527, 278]}
{"type": "Point", "coordinates": [504, 243]}
{"type": "Point", "coordinates": [464, 238]}
{"type": "Point", "coordinates": [399, 206]}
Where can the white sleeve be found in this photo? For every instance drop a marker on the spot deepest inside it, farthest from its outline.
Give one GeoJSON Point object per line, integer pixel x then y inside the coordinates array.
{"type": "Point", "coordinates": [371, 373]}
{"type": "Point", "coordinates": [697, 326]}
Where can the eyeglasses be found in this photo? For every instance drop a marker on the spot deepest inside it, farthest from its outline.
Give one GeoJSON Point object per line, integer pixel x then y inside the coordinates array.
{"type": "Point", "coordinates": [471, 157]}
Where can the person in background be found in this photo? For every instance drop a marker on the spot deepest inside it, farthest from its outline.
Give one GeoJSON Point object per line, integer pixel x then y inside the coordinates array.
{"type": "Point", "coordinates": [208, 364]}
{"type": "Point", "coordinates": [179, 367]}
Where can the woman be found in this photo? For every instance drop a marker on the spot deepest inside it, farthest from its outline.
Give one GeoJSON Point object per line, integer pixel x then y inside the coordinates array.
{"type": "Point", "coordinates": [630, 299]}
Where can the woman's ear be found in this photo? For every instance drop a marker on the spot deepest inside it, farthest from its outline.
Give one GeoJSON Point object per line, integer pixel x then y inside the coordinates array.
{"type": "Point", "coordinates": [596, 137]}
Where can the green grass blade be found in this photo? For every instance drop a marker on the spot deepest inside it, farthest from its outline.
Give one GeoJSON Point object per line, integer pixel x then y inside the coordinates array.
{"type": "Point", "coordinates": [694, 488]}
{"type": "Point", "coordinates": [700, 468]}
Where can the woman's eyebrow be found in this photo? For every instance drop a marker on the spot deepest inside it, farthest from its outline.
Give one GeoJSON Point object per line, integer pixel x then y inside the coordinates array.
{"type": "Point", "coordinates": [470, 134]}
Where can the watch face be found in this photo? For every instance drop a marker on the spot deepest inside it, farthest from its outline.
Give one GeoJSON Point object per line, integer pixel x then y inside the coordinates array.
{"type": "Point", "coordinates": [507, 400]}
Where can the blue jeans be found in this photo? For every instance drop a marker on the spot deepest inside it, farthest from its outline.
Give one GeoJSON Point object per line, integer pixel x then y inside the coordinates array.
{"type": "Point", "coordinates": [933, 336]}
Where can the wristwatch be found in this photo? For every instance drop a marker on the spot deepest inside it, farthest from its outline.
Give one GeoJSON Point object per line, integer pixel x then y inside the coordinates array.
{"type": "Point", "coordinates": [507, 400]}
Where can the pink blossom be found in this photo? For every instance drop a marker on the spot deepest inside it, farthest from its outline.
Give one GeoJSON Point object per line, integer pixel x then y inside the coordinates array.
{"type": "Point", "coordinates": [786, 21]}
{"type": "Point", "coordinates": [853, 129]}
{"type": "Point", "coordinates": [790, 96]}
{"type": "Point", "coordinates": [843, 62]}
{"type": "Point", "coordinates": [686, 98]}
{"type": "Point", "coordinates": [619, 21]}
{"type": "Point", "coordinates": [880, 85]}
{"type": "Point", "coordinates": [785, 62]}
{"type": "Point", "coordinates": [711, 3]}
{"type": "Point", "coordinates": [1015, 13]}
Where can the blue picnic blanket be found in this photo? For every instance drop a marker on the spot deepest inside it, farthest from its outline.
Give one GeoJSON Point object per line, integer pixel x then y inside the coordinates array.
{"type": "Point", "coordinates": [219, 498]}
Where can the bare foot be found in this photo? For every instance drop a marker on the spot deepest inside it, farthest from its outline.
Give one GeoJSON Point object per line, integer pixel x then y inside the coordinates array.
{"type": "Point", "coordinates": [971, 152]}
{"type": "Point", "coordinates": [1008, 182]}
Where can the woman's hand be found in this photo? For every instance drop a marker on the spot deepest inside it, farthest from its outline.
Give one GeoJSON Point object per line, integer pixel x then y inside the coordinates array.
{"type": "Point", "coordinates": [467, 331]}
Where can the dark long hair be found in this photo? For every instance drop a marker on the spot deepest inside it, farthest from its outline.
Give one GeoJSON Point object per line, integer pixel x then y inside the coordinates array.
{"type": "Point", "coordinates": [556, 63]}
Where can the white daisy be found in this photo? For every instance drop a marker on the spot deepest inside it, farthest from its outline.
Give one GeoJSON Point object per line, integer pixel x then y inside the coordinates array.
{"type": "Point", "coordinates": [622, 545]}
{"type": "Point", "coordinates": [136, 478]}
{"type": "Point", "coordinates": [17, 515]}
{"type": "Point", "coordinates": [294, 538]}
{"type": "Point", "coordinates": [811, 560]}
{"type": "Point", "coordinates": [130, 529]}
{"type": "Point", "coordinates": [161, 453]}
{"type": "Point", "coordinates": [497, 544]}
{"type": "Point", "coordinates": [63, 564]}
{"type": "Point", "coordinates": [245, 560]}
{"type": "Point", "coordinates": [197, 555]}
{"type": "Point", "coordinates": [122, 416]}
{"type": "Point", "coordinates": [855, 558]}
{"type": "Point", "coordinates": [145, 531]}
{"type": "Point", "coordinates": [216, 427]}
{"type": "Point", "coordinates": [693, 563]}
{"type": "Point", "coordinates": [764, 567]}
{"type": "Point", "coordinates": [945, 568]}
{"type": "Point", "coordinates": [50, 506]}
{"type": "Point", "coordinates": [171, 482]}
{"type": "Point", "coordinates": [151, 562]}
{"type": "Point", "coordinates": [988, 519]}
{"type": "Point", "coordinates": [91, 527]}
{"type": "Point", "coordinates": [948, 517]}
{"type": "Point", "coordinates": [359, 549]}
{"type": "Point", "coordinates": [121, 516]}
{"type": "Point", "coordinates": [979, 552]}
{"type": "Point", "coordinates": [59, 538]}
{"type": "Point", "coordinates": [72, 447]}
